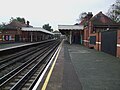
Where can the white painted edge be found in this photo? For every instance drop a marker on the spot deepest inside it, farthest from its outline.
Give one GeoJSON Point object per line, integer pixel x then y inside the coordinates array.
{"type": "Point", "coordinates": [42, 75]}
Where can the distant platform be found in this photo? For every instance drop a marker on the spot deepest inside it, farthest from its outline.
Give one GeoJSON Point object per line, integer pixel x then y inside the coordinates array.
{"type": "Point", "coordinates": [6, 46]}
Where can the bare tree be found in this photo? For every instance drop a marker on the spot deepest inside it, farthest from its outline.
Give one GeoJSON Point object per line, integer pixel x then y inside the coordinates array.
{"type": "Point", "coordinates": [114, 11]}
{"type": "Point", "coordinates": [82, 16]}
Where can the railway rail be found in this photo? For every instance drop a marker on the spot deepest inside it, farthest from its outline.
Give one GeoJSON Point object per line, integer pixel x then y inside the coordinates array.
{"type": "Point", "coordinates": [8, 63]}
{"type": "Point", "coordinates": [20, 71]}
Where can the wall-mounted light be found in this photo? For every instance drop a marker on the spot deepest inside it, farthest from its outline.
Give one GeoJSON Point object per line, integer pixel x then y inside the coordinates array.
{"type": "Point", "coordinates": [108, 29]}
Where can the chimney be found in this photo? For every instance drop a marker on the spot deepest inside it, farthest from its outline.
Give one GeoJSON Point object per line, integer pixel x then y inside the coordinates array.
{"type": "Point", "coordinates": [89, 15]}
{"type": "Point", "coordinates": [28, 23]}
{"type": "Point", "coordinates": [100, 11]}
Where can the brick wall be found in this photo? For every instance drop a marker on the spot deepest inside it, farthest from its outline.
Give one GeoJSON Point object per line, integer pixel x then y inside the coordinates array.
{"type": "Point", "coordinates": [86, 37]}
{"type": "Point", "coordinates": [118, 43]}
{"type": "Point", "coordinates": [97, 44]}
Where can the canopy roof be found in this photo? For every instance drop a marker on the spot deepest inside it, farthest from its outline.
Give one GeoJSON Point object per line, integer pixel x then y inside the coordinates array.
{"type": "Point", "coordinates": [36, 29]}
{"type": "Point", "coordinates": [70, 27]}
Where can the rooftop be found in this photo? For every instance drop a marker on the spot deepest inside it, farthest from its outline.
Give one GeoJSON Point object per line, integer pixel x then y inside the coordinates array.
{"type": "Point", "coordinates": [102, 19]}
{"type": "Point", "coordinates": [15, 25]}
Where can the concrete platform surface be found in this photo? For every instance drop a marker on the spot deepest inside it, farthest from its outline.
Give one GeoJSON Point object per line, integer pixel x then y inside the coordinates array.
{"type": "Point", "coordinates": [80, 68]}
{"type": "Point", "coordinates": [7, 45]}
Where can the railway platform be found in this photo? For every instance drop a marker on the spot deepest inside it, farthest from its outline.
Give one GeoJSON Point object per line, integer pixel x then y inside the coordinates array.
{"type": "Point", "coordinates": [80, 68]}
{"type": "Point", "coordinates": [8, 45]}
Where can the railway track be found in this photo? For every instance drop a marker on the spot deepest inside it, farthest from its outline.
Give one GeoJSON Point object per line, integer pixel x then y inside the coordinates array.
{"type": "Point", "coordinates": [8, 63]}
{"type": "Point", "coordinates": [25, 75]}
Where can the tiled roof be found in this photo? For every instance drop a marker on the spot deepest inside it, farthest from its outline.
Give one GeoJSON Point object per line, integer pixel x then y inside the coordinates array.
{"type": "Point", "coordinates": [86, 19]}
{"type": "Point", "coordinates": [101, 19]}
{"type": "Point", "coordinates": [15, 25]}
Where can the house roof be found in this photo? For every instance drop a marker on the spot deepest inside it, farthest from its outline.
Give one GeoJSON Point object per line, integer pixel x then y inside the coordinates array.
{"type": "Point", "coordinates": [101, 19]}
{"type": "Point", "coordinates": [15, 25]}
{"type": "Point", "coordinates": [86, 19]}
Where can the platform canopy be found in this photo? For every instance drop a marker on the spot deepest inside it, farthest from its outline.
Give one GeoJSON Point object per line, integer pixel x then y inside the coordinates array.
{"type": "Point", "coordinates": [39, 29]}
{"type": "Point", "coordinates": [70, 31]}
{"type": "Point", "coordinates": [66, 28]}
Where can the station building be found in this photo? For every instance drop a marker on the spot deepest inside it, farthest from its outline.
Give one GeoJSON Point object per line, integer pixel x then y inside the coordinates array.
{"type": "Point", "coordinates": [98, 32]}
{"type": "Point", "coordinates": [21, 32]}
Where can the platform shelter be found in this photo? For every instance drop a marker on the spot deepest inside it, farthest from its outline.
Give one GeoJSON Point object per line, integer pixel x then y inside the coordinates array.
{"type": "Point", "coordinates": [74, 33]}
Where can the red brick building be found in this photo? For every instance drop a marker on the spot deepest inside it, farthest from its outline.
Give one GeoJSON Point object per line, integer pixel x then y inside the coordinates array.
{"type": "Point", "coordinates": [21, 32]}
{"type": "Point", "coordinates": [100, 33]}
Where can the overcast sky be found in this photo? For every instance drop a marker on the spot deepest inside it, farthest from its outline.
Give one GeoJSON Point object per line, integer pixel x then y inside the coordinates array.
{"type": "Point", "coordinates": [54, 12]}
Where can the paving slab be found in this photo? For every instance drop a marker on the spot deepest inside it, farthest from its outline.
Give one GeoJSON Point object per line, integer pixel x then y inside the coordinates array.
{"type": "Point", "coordinates": [64, 76]}
{"type": "Point", "coordinates": [96, 70]}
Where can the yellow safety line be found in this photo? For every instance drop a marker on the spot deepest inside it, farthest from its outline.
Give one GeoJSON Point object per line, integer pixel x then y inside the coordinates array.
{"type": "Point", "coordinates": [50, 72]}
